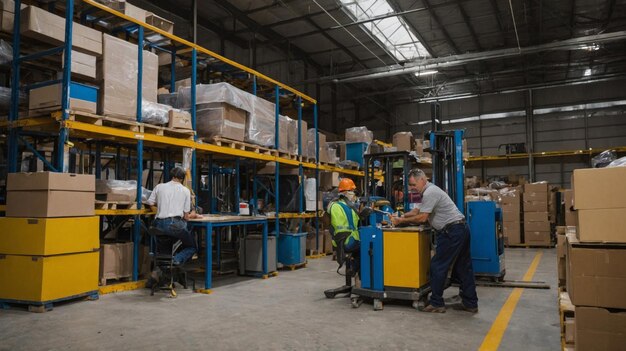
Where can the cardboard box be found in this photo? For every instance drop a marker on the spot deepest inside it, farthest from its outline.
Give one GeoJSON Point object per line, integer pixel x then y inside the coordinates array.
{"type": "Point", "coordinates": [116, 261]}
{"type": "Point", "coordinates": [571, 218]}
{"type": "Point", "coordinates": [160, 22]}
{"type": "Point", "coordinates": [535, 196]}
{"type": "Point", "coordinates": [561, 245]}
{"type": "Point", "coordinates": [40, 24]}
{"type": "Point", "coordinates": [596, 275]}
{"type": "Point", "coordinates": [596, 188]}
{"type": "Point", "coordinates": [602, 225]}
{"type": "Point", "coordinates": [82, 98]}
{"type": "Point", "coordinates": [221, 119]}
{"type": "Point", "coordinates": [570, 330]}
{"type": "Point", "coordinates": [118, 72]}
{"type": "Point", "coordinates": [83, 65]}
{"type": "Point", "coordinates": [512, 233]}
{"type": "Point", "coordinates": [535, 206]}
{"type": "Point", "coordinates": [328, 244]}
{"type": "Point", "coordinates": [599, 329]}
{"type": "Point", "coordinates": [403, 141]}
{"type": "Point", "coordinates": [50, 194]}
{"type": "Point", "coordinates": [179, 119]}
{"type": "Point", "coordinates": [561, 263]}
{"type": "Point", "coordinates": [536, 226]}
{"type": "Point", "coordinates": [328, 180]}
{"type": "Point", "coordinates": [539, 187]}
{"type": "Point", "coordinates": [511, 216]}
{"type": "Point", "coordinates": [568, 199]}
{"type": "Point", "coordinates": [536, 217]}
{"type": "Point", "coordinates": [541, 238]}
{"type": "Point", "coordinates": [8, 12]}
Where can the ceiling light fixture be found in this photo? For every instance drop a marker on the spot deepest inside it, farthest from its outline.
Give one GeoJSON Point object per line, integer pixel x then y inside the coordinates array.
{"type": "Point", "coordinates": [425, 73]}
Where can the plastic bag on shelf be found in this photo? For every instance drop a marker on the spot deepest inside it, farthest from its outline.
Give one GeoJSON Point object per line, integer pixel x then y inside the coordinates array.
{"type": "Point", "coordinates": [6, 52]}
{"type": "Point", "coordinates": [620, 162]}
{"type": "Point", "coordinates": [169, 99]}
{"type": "Point", "coordinates": [122, 190]}
{"type": "Point", "coordinates": [359, 135]}
{"type": "Point", "coordinates": [497, 185]}
{"type": "Point", "coordinates": [155, 113]}
{"type": "Point", "coordinates": [603, 159]}
{"type": "Point", "coordinates": [218, 92]}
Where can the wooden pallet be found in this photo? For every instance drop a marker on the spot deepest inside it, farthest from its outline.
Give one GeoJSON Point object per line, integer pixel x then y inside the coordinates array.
{"type": "Point", "coordinates": [45, 306]}
{"type": "Point", "coordinates": [110, 281]}
{"type": "Point", "coordinates": [107, 121]}
{"type": "Point", "coordinates": [566, 310]}
{"type": "Point", "coordinates": [116, 205]}
{"type": "Point", "coordinates": [288, 156]}
{"type": "Point", "coordinates": [293, 267]}
{"type": "Point", "coordinates": [240, 145]}
{"type": "Point", "coordinates": [167, 131]}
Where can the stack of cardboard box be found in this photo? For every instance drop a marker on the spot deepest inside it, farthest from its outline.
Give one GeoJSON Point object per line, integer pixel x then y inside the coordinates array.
{"type": "Point", "coordinates": [511, 204]}
{"type": "Point", "coordinates": [536, 219]}
{"type": "Point", "coordinates": [404, 141]}
{"type": "Point", "coordinates": [49, 240]}
{"type": "Point", "coordinates": [596, 259]}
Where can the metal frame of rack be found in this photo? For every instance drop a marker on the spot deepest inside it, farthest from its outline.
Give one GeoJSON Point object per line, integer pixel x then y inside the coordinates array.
{"type": "Point", "coordinates": [66, 124]}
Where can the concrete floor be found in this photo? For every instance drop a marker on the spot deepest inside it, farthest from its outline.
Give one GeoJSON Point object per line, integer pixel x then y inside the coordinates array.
{"type": "Point", "coordinates": [287, 312]}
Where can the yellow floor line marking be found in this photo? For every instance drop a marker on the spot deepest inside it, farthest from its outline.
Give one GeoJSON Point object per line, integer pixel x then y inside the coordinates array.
{"type": "Point", "coordinates": [494, 336]}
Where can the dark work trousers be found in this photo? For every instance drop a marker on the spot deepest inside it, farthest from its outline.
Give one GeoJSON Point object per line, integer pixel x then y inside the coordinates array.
{"type": "Point", "coordinates": [453, 248]}
{"type": "Point", "coordinates": [177, 228]}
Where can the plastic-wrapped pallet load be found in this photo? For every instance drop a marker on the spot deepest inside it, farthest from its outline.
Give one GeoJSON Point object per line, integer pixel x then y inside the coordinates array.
{"type": "Point", "coordinates": [220, 119]}
{"type": "Point", "coordinates": [261, 119]}
{"type": "Point", "coordinates": [310, 196]}
{"type": "Point", "coordinates": [359, 135]}
{"type": "Point", "coordinates": [119, 190]}
{"type": "Point", "coordinates": [287, 131]}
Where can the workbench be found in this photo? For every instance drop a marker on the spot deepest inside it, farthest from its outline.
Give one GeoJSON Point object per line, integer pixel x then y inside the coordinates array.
{"type": "Point", "coordinates": [211, 221]}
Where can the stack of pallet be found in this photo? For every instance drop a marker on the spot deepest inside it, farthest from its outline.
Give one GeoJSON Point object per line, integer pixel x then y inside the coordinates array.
{"type": "Point", "coordinates": [536, 218]}
{"type": "Point", "coordinates": [49, 240]}
{"type": "Point", "coordinates": [596, 259]}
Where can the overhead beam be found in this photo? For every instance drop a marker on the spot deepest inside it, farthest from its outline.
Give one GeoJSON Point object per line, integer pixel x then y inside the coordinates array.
{"type": "Point", "coordinates": [169, 6]}
{"type": "Point", "coordinates": [463, 59]}
{"type": "Point", "coordinates": [266, 32]}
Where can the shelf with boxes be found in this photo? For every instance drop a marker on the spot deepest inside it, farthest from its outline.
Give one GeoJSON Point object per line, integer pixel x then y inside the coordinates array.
{"type": "Point", "coordinates": [120, 101]}
{"type": "Point", "coordinates": [564, 153]}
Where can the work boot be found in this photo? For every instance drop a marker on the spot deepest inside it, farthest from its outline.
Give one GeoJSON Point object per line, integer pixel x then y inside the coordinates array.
{"type": "Point", "coordinates": [433, 309]}
{"type": "Point", "coordinates": [462, 307]}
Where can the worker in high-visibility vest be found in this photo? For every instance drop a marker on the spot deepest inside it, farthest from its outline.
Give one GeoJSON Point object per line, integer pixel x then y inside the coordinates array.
{"type": "Point", "coordinates": [344, 221]}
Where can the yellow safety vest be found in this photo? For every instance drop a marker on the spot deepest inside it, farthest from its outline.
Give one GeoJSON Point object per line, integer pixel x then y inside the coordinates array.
{"type": "Point", "coordinates": [340, 222]}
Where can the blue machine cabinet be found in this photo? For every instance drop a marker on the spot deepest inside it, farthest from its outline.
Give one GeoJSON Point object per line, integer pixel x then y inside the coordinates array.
{"type": "Point", "coordinates": [487, 243]}
{"type": "Point", "coordinates": [371, 258]}
{"type": "Point", "coordinates": [355, 152]}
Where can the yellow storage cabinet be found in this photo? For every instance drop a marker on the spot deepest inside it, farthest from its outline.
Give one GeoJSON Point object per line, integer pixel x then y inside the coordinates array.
{"type": "Point", "coordinates": [48, 236]}
{"type": "Point", "coordinates": [406, 258]}
{"type": "Point", "coordinates": [46, 279]}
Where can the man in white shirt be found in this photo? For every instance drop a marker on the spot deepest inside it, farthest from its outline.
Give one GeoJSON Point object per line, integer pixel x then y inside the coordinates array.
{"type": "Point", "coordinates": [173, 202]}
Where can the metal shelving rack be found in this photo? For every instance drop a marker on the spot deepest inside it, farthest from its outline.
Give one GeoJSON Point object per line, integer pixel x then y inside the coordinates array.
{"type": "Point", "coordinates": [61, 122]}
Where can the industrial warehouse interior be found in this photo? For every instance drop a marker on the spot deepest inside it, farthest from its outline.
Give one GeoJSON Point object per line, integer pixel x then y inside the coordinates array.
{"type": "Point", "coordinates": [313, 175]}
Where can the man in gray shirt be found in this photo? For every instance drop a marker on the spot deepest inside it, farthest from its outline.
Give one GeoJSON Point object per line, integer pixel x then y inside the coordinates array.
{"type": "Point", "coordinates": [453, 242]}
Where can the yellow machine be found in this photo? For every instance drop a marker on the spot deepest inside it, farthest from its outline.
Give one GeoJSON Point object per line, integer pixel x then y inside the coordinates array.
{"type": "Point", "coordinates": [395, 264]}
{"type": "Point", "coordinates": [406, 258]}
{"type": "Point", "coordinates": [43, 260]}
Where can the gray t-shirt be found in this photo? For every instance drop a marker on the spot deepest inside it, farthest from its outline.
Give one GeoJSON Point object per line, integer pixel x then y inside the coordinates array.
{"type": "Point", "coordinates": [440, 206]}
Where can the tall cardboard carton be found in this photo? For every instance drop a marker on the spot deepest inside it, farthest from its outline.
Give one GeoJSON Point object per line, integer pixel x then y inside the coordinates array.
{"type": "Point", "coordinates": [42, 25]}
{"type": "Point", "coordinates": [403, 141]}
{"type": "Point", "coordinates": [118, 71]}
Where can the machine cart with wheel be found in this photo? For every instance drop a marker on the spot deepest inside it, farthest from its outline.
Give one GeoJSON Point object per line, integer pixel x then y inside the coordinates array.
{"type": "Point", "coordinates": [395, 265]}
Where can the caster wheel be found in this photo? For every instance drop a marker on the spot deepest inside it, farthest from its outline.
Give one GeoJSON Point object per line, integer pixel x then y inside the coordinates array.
{"type": "Point", "coordinates": [378, 305]}
{"type": "Point", "coordinates": [416, 305]}
{"type": "Point", "coordinates": [356, 302]}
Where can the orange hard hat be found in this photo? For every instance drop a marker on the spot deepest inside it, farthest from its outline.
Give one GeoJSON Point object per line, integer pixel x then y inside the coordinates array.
{"type": "Point", "coordinates": [346, 184]}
